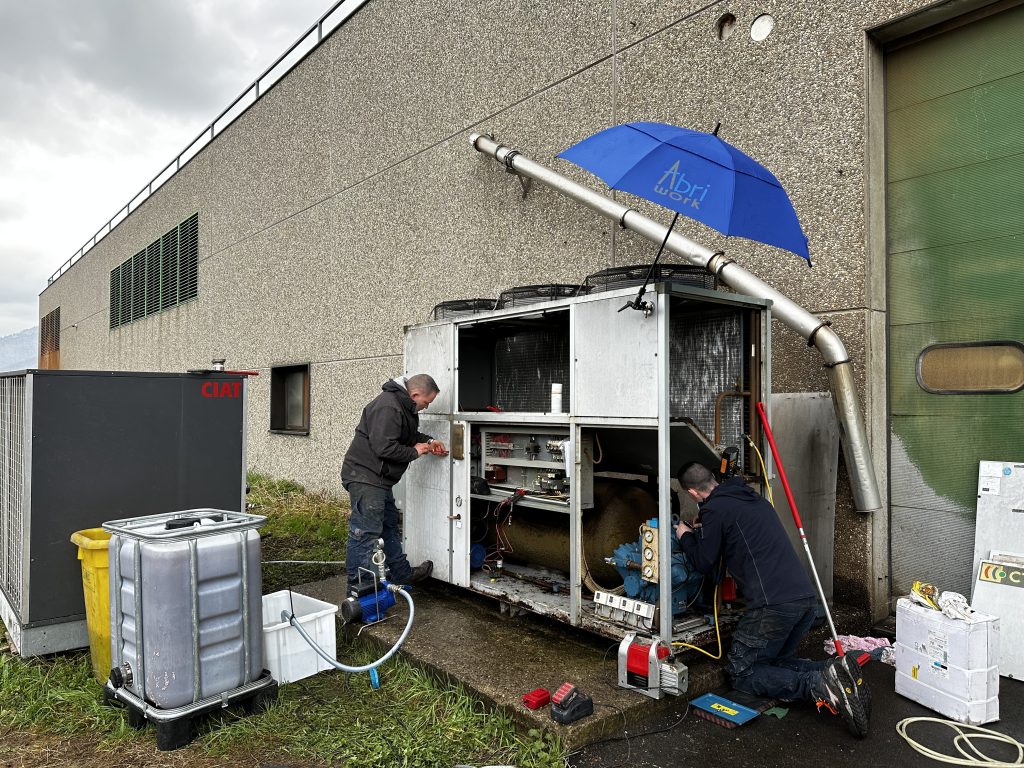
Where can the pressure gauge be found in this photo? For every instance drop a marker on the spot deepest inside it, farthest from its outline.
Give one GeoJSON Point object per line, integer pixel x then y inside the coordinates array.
{"type": "Point", "coordinates": [648, 536]}
{"type": "Point", "coordinates": [648, 572]}
{"type": "Point", "coordinates": [648, 553]}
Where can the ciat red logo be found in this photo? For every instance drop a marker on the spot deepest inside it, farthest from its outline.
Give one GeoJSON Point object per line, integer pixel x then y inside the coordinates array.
{"type": "Point", "coordinates": [222, 389]}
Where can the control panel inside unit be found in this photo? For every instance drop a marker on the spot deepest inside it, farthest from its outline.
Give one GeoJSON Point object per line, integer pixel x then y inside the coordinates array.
{"type": "Point", "coordinates": [536, 464]}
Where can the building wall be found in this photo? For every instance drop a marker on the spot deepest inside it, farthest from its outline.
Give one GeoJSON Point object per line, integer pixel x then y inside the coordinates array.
{"type": "Point", "coordinates": [347, 202]}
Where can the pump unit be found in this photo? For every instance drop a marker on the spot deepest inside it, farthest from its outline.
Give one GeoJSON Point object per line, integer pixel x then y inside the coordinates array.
{"type": "Point", "coordinates": [567, 420]}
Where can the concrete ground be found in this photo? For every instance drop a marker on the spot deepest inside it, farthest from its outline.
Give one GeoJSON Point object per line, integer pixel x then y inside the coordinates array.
{"type": "Point", "coordinates": [498, 657]}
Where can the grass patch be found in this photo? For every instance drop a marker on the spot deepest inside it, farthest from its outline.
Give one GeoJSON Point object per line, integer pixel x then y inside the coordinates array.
{"type": "Point", "coordinates": [301, 525]}
{"type": "Point", "coordinates": [332, 719]}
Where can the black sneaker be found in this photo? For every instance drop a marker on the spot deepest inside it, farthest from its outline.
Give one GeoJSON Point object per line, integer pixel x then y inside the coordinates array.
{"type": "Point", "coordinates": [421, 572]}
{"type": "Point", "coordinates": [841, 698]}
{"type": "Point", "coordinates": [852, 676]}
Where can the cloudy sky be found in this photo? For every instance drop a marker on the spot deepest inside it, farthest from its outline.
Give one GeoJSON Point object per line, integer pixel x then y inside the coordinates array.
{"type": "Point", "coordinates": [96, 96]}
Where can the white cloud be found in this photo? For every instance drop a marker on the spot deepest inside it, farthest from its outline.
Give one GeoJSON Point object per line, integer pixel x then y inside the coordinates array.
{"type": "Point", "coordinates": [96, 96]}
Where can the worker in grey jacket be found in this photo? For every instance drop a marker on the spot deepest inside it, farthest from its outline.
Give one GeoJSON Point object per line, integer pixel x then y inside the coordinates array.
{"type": "Point", "coordinates": [386, 441]}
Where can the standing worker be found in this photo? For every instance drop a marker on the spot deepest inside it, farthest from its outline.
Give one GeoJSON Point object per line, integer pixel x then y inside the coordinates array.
{"type": "Point", "coordinates": [738, 524]}
{"type": "Point", "coordinates": [386, 441]}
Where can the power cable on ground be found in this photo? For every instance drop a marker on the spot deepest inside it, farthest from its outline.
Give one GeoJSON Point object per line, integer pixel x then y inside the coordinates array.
{"type": "Point", "coordinates": [978, 758]}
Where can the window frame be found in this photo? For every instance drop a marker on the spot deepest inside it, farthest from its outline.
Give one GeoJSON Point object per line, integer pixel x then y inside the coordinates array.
{"type": "Point", "coordinates": [279, 399]}
{"type": "Point", "coordinates": [963, 345]}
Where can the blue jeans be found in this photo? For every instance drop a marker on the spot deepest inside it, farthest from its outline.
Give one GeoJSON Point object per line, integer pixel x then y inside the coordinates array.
{"type": "Point", "coordinates": [762, 660]}
{"type": "Point", "coordinates": [374, 516]}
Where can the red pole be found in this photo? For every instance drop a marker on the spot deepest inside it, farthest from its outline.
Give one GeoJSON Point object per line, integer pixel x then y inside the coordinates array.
{"type": "Point", "coordinates": [796, 519]}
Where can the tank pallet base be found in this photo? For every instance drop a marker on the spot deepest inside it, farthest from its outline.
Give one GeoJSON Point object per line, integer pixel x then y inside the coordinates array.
{"type": "Point", "coordinates": [174, 726]}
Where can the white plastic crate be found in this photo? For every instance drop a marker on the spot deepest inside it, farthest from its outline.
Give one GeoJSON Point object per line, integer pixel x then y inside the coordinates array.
{"type": "Point", "coordinates": [285, 653]}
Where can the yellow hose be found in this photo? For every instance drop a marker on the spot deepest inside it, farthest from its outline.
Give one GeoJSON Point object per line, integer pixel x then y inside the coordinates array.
{"type": "Point", "coordinates": [718, 634]}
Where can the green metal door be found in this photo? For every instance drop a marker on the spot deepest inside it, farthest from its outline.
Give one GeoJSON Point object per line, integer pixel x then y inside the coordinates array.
{"type": "Point", "coordinates": [955, 208]}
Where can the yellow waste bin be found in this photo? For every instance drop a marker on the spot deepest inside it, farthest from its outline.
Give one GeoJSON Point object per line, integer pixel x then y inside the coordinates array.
{"type": "Point", "coordinates": [92, 551]}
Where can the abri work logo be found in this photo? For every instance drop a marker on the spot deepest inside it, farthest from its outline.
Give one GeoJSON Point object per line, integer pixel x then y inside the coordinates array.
{"type": "Point", "coordinates": [675, 186]}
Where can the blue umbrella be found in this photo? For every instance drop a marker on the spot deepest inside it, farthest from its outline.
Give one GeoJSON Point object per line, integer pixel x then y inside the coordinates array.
{"type": "Point", "coordinates": [696, 174]}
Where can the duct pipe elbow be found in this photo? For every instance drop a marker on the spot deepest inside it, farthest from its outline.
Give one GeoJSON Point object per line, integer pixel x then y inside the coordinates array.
{"type": "Point", "coordinates": [828, 343]}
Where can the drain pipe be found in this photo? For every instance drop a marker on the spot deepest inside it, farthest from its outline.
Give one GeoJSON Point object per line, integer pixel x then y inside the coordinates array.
{"type": "Point", "coordinates": [817, 331]}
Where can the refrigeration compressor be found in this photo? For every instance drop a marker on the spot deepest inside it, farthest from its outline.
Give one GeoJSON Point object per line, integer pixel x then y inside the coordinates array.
{"type": "Point", "coordinates": [637, 563]}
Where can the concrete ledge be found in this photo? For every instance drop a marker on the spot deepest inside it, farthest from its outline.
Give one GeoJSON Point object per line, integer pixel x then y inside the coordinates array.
{"type": "Point", "coordinates": [497, 657]}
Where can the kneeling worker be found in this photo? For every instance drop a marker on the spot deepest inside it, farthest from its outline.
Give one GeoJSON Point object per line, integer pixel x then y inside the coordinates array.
{"type": "Point", "coordinates": [738, 524]}
{"type": "Point", "coordinates": [386, 441]}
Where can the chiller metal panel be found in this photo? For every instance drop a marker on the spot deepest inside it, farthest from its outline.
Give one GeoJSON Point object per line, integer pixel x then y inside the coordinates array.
{"type": "Point", "coordinates": [644, 393]}
{"type": "Point", "coordinates": [427, 496]}
{"type": "Point", "coordinates": [623, 385]}
{"type": "Point", "coordinates": [98, 446]}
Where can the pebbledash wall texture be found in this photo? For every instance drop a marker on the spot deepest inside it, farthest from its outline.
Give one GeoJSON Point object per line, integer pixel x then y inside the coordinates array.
{"type": "Point", "coordinates": [347, 201]}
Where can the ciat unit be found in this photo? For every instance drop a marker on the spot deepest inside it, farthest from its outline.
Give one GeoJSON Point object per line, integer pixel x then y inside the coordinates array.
{"type": "Point", "coordinates": [78, 448]}
{"type": "Point", "coordinates": [568, 418]}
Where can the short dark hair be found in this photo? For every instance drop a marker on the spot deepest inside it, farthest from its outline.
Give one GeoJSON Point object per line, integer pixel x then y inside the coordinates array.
{"type": "Point", "coordinates": [422, 383]}
{"type": "Point", "coordinates": [695, 475]}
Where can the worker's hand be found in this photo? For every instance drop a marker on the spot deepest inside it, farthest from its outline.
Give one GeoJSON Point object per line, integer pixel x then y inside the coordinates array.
{"type": "Point", "coordinates": [437, 448]}
{"type": "Point", "coordinates": [682, 528]}
{"type": "Point", "coordinates": [422, 448]}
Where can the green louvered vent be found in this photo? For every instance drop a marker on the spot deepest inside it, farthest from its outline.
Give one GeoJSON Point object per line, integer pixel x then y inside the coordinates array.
{"type": "Point", "coordinates": [160, 276]}
{"type": "Point", "coordinates": [188, 281]}
{"type": "Point", "coordinates": [139, 285]}
{"type": "Point", "coordinates": [153, 278]}
{"type": "Point", "coordinates": [115, 297]}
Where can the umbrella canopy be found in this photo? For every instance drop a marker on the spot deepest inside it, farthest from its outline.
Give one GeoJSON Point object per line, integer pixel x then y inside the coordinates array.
{"type": "Point", "coordinates": [696, 174]}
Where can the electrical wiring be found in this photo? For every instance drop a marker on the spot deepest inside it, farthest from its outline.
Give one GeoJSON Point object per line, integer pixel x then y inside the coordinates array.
{"type": "Point", "coordinates": [962, 738]}
{"type": "Point", "coordinates": [764, 469]}
{"type": "Point", "coordinates": [625, 737]}
{"type": "Point", "coordinates": [718, 635]}
{"type": "Point", "coordinates": [502, 544]}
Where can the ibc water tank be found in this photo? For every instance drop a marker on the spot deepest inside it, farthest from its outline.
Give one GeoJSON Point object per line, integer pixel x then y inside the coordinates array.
{"type": "Point", "coordinates": [186, 611]}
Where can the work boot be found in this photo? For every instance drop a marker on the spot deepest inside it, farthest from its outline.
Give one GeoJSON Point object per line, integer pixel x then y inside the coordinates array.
{"type": "Point", "coordinates": [841, 696]}
{"type": "Point", "coordinates": [420, 572]}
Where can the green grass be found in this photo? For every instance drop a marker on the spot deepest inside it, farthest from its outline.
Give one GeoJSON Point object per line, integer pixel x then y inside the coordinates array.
{"type": "Point", "coordinates": [330, 719]}
{"type": "Point", "coordinates": [301, 525]}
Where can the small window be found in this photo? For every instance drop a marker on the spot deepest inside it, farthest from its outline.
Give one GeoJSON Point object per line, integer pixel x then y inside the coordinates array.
{"type": "Point", "coordinates": [289, 399]}
{"type": "Point", "coordinates": [977, 368]}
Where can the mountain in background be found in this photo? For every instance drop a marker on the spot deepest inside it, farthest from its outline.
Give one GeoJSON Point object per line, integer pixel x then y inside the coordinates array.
{"type": "Point", "coordinates": [20, 350]}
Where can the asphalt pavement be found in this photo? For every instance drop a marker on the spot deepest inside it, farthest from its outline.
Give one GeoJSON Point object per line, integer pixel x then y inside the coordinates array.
{"type": "Point", "coordinates": [678, 737]}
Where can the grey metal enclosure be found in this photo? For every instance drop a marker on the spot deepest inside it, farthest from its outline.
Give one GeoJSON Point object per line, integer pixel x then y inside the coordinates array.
{"type": "Point", "coordinates": [186, 615]}
{"type": "Point", "coordinates": [567, 420]}
{"type": "Point", "coordinates": [81, 447]}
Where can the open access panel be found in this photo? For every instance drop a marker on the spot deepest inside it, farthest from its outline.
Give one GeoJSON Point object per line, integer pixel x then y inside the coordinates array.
{"type": "Point", "coordinates": [566, 508]}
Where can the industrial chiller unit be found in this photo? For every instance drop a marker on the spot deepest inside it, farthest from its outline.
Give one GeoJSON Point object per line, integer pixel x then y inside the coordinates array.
{"type": "Point", "coordinates": [78, 448]}
{"type": "Point", "coordinates": [567, 417]}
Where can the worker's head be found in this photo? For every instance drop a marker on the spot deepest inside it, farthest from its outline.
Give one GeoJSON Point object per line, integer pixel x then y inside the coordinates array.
{"type": "Point", "coordinates": [422, 389]}
{"type": "Point", "coordinates": [697, 480]}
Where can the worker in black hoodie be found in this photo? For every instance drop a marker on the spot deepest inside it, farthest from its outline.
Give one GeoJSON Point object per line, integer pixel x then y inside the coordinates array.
{"type": "Point", "coordinates": [740, 526]}
{"type": "Point", "coordinates": [386, 441]}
